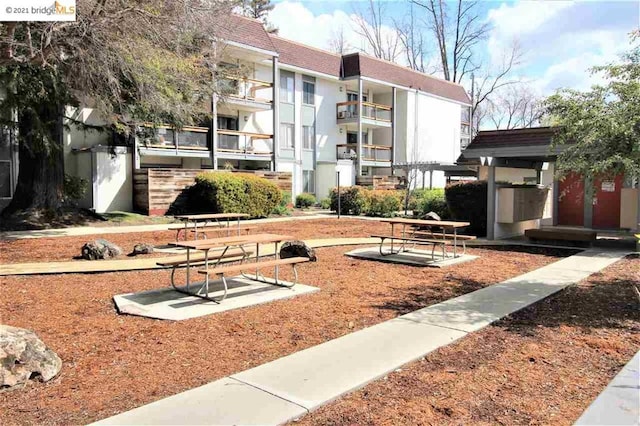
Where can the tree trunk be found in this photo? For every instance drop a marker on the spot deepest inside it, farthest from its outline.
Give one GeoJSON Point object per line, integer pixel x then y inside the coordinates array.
{"type": "Point", "coordinates": [41, 163]}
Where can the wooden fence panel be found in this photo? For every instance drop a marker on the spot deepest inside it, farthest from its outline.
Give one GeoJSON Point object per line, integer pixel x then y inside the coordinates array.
{"type": "Point", "coordinates": [155, 190]}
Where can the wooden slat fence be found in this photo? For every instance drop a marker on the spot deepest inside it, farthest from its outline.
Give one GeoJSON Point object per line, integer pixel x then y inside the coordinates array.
{"type": "Point", "coordinates": [380, 182]}
{"type": "Point", "coordinates": [155, 190]}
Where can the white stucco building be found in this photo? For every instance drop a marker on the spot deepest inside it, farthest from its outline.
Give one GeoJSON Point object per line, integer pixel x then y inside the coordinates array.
{"type": "Point", "coordinates": [289, 108]}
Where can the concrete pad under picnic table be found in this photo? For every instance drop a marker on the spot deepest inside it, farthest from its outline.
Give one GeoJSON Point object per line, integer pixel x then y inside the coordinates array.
{"type": "Point", "coordinates": [168, 304]}
{"type": "Point", "coordinates": [225, 401]}
{"type": "Point", "coordinates": [413, 257]}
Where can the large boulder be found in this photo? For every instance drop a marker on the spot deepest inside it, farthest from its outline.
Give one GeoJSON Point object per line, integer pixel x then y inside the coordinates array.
{"type": "Point", "coordinates": [297, 249]}
{"type": "Point", "coordinates": [100, 249]}
{"type": "Point", "coordinates": [23, 356]}
{"type": "Point", "coordinates": [142, 248]}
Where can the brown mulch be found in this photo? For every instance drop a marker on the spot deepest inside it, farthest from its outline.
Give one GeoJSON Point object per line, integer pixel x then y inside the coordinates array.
{"type": "Point", "coordinates": [542, 365]}
{"type": "Point", "coordinates": [114, 363]}
{"type": "Point", "coordinates": [61, 249]}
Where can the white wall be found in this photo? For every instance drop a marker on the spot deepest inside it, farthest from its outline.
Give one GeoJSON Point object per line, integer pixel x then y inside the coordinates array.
{"type": "Point", "coordinates": [112, 181]}
{"type": "Point", "coordinates": [507, 174]}
{"type": "Point", "coordinates": [327, 130]}
{"type": "Point", "coordinates": [76, 138]}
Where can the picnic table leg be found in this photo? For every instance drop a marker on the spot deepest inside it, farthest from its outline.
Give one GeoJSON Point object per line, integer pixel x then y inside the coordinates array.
{"type": "Point", "coordinates": [455, 241]}
{"type": "Point", "coordinates": [238, 228]}
{"type": "Point", "coordinates": [188, 269]}
{"type": "Point", "coordinates": [206, 276]}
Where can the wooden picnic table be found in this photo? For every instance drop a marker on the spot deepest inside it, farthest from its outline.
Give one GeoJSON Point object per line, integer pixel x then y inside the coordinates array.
{"type": "Point", "coordinates": [218, 218]}
{"type": "Point", "coordinates": [230, 242]}
{"type": "Point", "coordinates": [443, 224]}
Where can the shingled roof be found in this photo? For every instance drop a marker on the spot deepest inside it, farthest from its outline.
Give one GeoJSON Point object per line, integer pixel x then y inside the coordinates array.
{"type": "Point", "coordinates": [247, 31]}
{"type": "Point", "coordinates": [309, 58]}
{"type": "Point", "coordinates": [536, 136]}
{"type": "Point", "coordinates": [363, 65]}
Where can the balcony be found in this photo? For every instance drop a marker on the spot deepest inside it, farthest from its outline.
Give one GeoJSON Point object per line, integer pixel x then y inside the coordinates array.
{"type": "Point", "coordinates": [372, 155]}
{"type": "Point", "coordinates": [373, 115]}
{"type": "Point", "coordinates": [166, 141]}
{"type": "Point", "coordinates": [246, 94]}
{"type": "Point", "coordinates": [244, 145]}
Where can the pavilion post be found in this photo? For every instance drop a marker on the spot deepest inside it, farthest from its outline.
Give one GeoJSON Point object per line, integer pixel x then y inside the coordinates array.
{"type": "Point", "coordinates": [491, 201]}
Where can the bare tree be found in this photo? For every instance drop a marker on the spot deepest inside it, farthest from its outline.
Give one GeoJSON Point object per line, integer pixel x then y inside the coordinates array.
{"type": "Point", "coordinates": [516, 106]}
{"type": "Point", "coordinates": [492, 80]}
{"type": "Point", "coordinates": [369, 23]}
{"type": "Point", "coordinates": [338, 43]}
{"type": "Point", "coordinates": [411, 36]}
{"type": "Point", "coordinates": [457, 30]}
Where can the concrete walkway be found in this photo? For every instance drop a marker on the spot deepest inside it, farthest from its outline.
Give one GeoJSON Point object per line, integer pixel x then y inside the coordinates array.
{"type": "Point", "coordinates": [619, 403]}
{"type": "Point", "coordinates": [291, 387]}
{"type": "Point", "coordinates": [141, 262]}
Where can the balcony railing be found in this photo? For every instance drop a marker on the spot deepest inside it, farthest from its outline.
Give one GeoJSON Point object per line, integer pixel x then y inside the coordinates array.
{"type": "Point", "coordinates": [189, 138]}
{"type": "Point", "coordinates": [371, 111]}
{"type": "Point", "coordinates": [236, 142]}
{"type": "Point", "coordinates": [245, 88]}
{"type": "Point", "coordinates": [373, 153]}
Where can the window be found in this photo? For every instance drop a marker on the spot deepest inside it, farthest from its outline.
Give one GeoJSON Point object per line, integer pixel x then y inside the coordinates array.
{"type": "Point", "coordinates": [287, 87]}
{"type": "Point", "coordinates": [308, 90]}
{"type": "Point", "coordinates": [287, 139]}
{"type": "Point", "coordinates": [352, 138]}
{"type": "Point", "coordinates": [308, 137]}
{"type": "Point", "coordinates": [465, 115]}
{"type": "Point", "coordinates": [227, 123]}
{"type": "Point", "coordinates": [309, 181]}
{"type": "Point", "coordinates": [465, 127]}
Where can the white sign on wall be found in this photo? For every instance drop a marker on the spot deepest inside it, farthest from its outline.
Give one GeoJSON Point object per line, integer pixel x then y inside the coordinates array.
{"type": "Point", "coordinates": [608, 186]}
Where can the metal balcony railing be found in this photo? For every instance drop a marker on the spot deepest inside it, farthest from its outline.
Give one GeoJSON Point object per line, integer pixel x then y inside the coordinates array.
{"type": "Point", "coordinates": [189, 138]}
{"type": "Point", "coordinates": [245, 88]}
{"type": "Point", "coordinates": [370, 110]}
{"type": "Point", "coordinates": [236, 142]}
{"type": "Point", "coordinates": [374, 153]}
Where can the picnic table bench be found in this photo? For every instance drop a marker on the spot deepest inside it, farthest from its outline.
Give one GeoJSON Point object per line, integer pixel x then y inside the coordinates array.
{"type": "Point", "coordinates": [276, 263]}
{"type": "Point", "coordinates": [231, 244]}
{"type": "Point", "coordinates": [195, 222]}
{"type": "Point", "coordinates": [421, 232]}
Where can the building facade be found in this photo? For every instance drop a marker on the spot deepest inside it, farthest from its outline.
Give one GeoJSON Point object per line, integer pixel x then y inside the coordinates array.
{"type": "Point", "coordinates": [287, 107]}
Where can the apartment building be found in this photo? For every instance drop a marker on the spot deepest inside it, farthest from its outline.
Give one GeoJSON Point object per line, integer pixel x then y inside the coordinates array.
{"type": "Point", "coordinates": [287, 107]}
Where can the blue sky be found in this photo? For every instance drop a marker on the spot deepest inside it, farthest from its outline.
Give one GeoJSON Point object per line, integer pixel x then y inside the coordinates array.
{"type": "Point", "coordinates": [560, 40]}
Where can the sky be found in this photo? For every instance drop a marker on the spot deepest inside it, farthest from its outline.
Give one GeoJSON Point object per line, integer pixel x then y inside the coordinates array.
{"type": "Point", "coordinates": [560, 40]}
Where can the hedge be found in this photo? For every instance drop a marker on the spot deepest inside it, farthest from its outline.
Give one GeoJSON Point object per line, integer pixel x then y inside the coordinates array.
{"type": "Point", "coordinates": [234, 193]}
{"type": "Point", "coordinates": [305, 200]}
{"type": "Point", "coordinates": [357, 200]}
{"type": "Point", "coordinates": [430, 200]}
{"type": "Point", "coordinates": [467, 202]}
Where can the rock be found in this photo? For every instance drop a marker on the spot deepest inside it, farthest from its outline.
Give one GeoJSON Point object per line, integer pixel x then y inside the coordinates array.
{"type": "Point", "coordinates": [142, 248]}
{"type": "Point", "coordinates": [100, 249]}
{"type": "Point", "coordinates": [297, 249]}
{"type": "Point", "coordinates": [432, 216]}
{"type": "Point", "coordinates": [23, 356]}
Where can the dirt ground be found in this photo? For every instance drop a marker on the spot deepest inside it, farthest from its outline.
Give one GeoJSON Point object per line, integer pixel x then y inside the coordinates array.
{"type": "Point", "coordinates": [113, 363]}
{"type": "Point", "coordinates": [542, 365]}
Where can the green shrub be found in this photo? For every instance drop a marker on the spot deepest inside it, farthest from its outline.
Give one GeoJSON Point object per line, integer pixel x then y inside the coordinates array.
{"type": "Point", "coordinates": [353, 200]}
{"type": "Point", "coordinates": [431, 200]}
{"type": "Point", "coordinates": [305, 200]}
{"type": "Point", "coordinates": [74, 188]}
{"type": "Point", "coordinates": [325, 203]}
{"type": "Point", "coordinates": [383, 203]}
{"type": "Point", "coordinates": [467, 201]}
{"type": "Point", "coordinates": [220, 192]}
{"type": "Point", "coordinates": [284, 207]}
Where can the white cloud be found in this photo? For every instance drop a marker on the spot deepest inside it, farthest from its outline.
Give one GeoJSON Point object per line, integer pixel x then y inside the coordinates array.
{"type": "Point", "coordinates": [297, 23]}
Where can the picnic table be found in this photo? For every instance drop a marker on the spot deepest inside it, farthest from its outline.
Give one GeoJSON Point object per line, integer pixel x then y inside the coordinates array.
{"type": "Point", "coordinates": [237, 242]}
{"type": "Point", "coordinates": [413, 230]}
{"type": "Point", "coordinates": [221, 221]}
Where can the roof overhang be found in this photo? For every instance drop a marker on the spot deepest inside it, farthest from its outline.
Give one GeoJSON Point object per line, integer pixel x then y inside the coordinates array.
{"type": "Point", "coordinates": [524, 152]}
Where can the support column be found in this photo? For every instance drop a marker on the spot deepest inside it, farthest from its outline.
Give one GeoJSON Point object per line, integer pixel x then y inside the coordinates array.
{"type": "Point", "coordinates": [424, 177]}
{"type": "Point", "coordinates": [491, 202]}
{"type": "Point", "coordinates": [214, 131]}
{"type": "Point", "coordinates": [393, 126]}
{"type": "Point", "coordinates": [276, 114]}
{"type": "Point", "coordinates": [430, 179]}
{"type": "Point", "coordinates": [359, 145]}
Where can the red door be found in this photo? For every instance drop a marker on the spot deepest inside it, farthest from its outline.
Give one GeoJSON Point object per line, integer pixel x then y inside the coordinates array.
{"type": "Point", "coordinates": [606, 203]}
{"type": "Point", "coordinates": [571, 200]}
